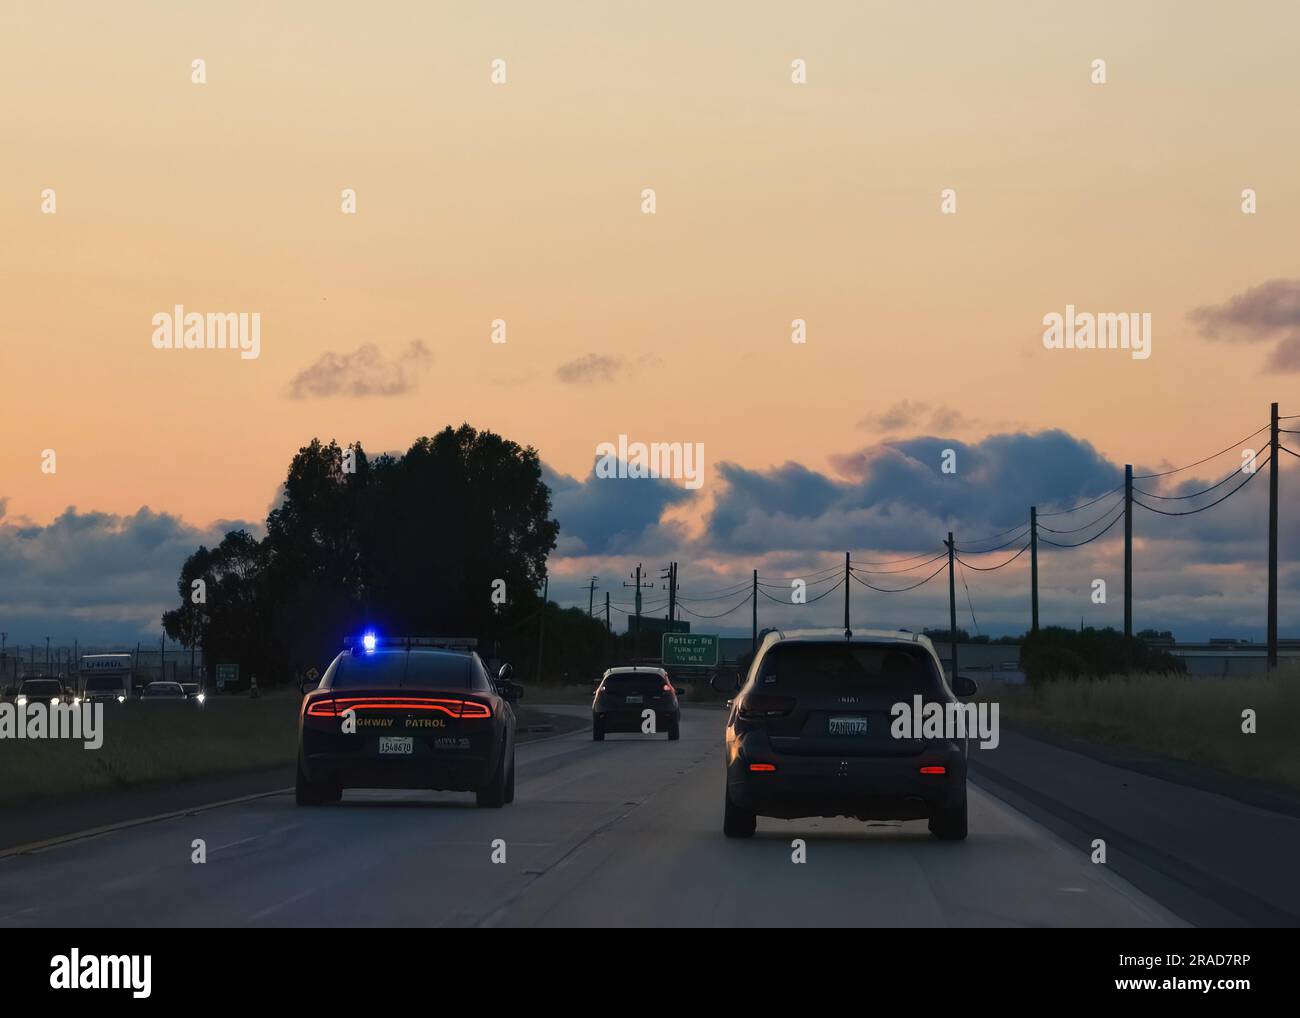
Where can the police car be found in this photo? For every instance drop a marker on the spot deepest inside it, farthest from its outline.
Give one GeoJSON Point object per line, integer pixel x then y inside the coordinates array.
{"type": "Point", "coordinates": [408, 712]}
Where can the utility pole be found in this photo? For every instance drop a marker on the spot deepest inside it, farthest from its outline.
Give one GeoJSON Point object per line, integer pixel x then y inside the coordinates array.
{"type": "Point", "coordinates": [1033, 567]}
{"type": "Point", "coordinates": [670, 574]}
{"type": "Point", "coordinates": [753, 644]}
{"type": "Point", "coordinates": [636, 618]}
{"type": "Point", "coordinates": [1128, 549]}
{"type": "Point", "coordinates": [952, 605]}
{"type": "Point", "coordinates": [847, 631]}
{"type": "Point", "coordinates": [607, 613]}
{"type": "Point", "coordinates": [609, 653]}
{"type": "Point", "coordinates": [591, 595]}
{"type": "Point", "coordinates": [1272, 541]}
{"type": "Point", "coordinates": [541, 629]}
{"type": "Point", "coordinates": [47, 655]}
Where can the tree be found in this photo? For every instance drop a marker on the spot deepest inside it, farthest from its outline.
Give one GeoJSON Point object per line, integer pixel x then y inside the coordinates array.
{"type": "Point", "coordinates": [411, 544]}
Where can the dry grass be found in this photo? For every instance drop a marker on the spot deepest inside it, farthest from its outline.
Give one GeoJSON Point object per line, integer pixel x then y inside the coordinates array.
{"type": "Point", "coordinates": [164, 742]}
{"type": "Point", "coordinates": [1193, 719]}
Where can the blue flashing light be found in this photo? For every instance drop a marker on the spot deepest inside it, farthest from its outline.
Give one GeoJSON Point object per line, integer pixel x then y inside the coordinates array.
{"type": "Point", "coordinates": [369, 641]}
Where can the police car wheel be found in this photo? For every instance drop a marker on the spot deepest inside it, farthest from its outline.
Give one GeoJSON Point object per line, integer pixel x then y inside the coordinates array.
{"type": "Point", "coordinates": [675, 731]}
{"type": "Point", "coordinates": [493, 794]}
{"type": "Point", "coordinates": [312, 793]}
{"type": "Point", "coordinates": [510, 781]}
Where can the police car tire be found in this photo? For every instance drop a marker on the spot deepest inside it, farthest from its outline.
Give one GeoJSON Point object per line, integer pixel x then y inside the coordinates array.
{"type": "Point", "coordinates": [510, 781]}
{"type": "Point", "coordinates": [310, 793]}
{"type": "Point", "coordinates": [493, 794]}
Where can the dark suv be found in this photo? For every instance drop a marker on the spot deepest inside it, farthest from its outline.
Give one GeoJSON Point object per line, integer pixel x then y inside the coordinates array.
{"type": "Point", "coordinates": [809, 734]}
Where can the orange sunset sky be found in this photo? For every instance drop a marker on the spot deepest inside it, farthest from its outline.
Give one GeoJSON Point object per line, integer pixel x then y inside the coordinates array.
{"type": "Point", "coordinates": [522, 202]}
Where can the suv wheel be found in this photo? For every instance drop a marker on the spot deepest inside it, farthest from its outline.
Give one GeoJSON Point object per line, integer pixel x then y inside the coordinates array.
{"type": "Point", "coordinates": [738, 823]}
{"type": "Point", "coordinates": [949, 824]}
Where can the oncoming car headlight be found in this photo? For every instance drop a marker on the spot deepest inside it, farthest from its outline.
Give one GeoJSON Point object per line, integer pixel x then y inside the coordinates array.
{"type": "Point", "coordinates": [22, 701]}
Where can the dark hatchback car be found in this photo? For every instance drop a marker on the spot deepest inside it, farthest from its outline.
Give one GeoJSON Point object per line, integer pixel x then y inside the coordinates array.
{"type": "Point", "coordinates": [625, 694]}
{"type": "Point", "coordinates": [809, 734]}
{"type": "Point", "coordinates": [402, 715]}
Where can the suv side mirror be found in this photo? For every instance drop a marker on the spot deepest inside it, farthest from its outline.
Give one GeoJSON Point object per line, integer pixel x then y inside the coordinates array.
{"type": "Point", "coordinates": [724, 682]}
{"type": "Point", "coordinates": [964, 687]}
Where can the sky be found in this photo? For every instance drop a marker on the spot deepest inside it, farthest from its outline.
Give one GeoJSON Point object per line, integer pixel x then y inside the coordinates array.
{"type": "Point", "coordinates": [523, 201]}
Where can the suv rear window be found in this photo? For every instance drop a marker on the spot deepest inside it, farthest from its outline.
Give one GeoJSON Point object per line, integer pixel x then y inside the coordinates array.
{"type": "Point", "coordinates": [416, 669]}
{"type": "Point", "coordinates": [41, 687]}
{"type": "Point", "coordinates": [796, 667]}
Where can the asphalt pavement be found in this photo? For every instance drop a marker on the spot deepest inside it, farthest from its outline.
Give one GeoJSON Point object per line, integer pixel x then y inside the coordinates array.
{"type": "Point", "coordinates": [625, 832]}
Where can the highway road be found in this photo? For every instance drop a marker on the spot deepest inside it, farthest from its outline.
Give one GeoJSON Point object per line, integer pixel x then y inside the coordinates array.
{"type": "Point", "coordinates": [621, 833]}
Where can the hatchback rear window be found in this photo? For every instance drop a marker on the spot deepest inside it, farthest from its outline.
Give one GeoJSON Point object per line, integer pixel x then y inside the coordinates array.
{"type": "Point", "coordinates": [634, 682]}
{"type": "Point", "coordinates": [402, 669]}
{"type": "Point", "coordinates": [796, 667]}
{"type": "Point", "coordinates": [41, 687]}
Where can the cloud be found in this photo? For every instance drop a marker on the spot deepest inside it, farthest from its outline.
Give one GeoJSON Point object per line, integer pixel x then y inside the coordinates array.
{"type": "Point", "coordinates": [1266, 313]}
{"type": "Point", "coordinates": [597, 368]}
{"type": "Point", "coordinates": [96, 576]}
{"type": "Point", "coordinates": [610, 515]}
{"type": "Point", "coordinates": [939, 418]}
{"type": "Point", "coordinates": [365, 371]}
{"type": "Point", "coordinates": [591, 368]}
{"type": "Point", "coordinates": [1200, 575]}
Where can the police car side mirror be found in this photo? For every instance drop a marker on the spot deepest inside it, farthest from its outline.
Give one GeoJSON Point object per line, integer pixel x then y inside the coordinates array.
{"type": "Point", "coordinates": [505, 673]}
{"type": "Point", "coordinates": [306, 686]}
{"type": "Point", "coordinates": [963, 686]}
{"type": "Point", "coordinates": [511, 692]}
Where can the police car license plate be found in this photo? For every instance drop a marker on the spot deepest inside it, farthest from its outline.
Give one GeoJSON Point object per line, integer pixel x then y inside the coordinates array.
{"type": "Point", "coordinates": [632, 699]}
{"type": "Point", "coordinates": [396, 745]}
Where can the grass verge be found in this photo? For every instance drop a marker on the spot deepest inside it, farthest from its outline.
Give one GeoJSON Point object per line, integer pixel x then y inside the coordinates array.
{"type": "Point", "coordinates": [169, 742]}
{"type": "Point", "coordinates": [1198, 720]}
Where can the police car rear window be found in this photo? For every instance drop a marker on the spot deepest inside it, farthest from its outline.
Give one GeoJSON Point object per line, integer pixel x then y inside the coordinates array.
{"type": "Point", "coordinates": [402, 669]}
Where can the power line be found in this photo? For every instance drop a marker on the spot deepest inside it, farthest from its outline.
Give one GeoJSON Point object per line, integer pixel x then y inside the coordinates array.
{"type": "Point", "coordinates": [1085, 505]}
{"type": "Point", "coordinates": [811, 600]}
{"type": "Point", "coordinates": [1079, 544]}
{"type": "Point", "coordinates": [886, 572]}
{"type": "Point", "coordinates": [969, 603]}
{"type": "Point", "coordinates": [1211, 505]}
{"type": "Point", "coordinates": [1119, 504]}
{"type": "Point", "coordinates": [1194, 494]}
{"type": "Point", "coordinates": [733, 608]}
{"type": "Point", "coordinates": [1176, 470]}
{"type": "Point", "coordinates": [900, 590]}
{"type": "Point", "coordinates": [1021, 531]}
{"type": "Point", "coordinates": [989, 569]}
{"type": "Point", "coordinates": [1291, 451]}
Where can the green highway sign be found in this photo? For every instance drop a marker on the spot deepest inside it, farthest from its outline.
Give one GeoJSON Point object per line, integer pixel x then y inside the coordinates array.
{"type": "Point", "coordinates": [227, 675]}
{"type": "Point", "coordinates": [690, 650]}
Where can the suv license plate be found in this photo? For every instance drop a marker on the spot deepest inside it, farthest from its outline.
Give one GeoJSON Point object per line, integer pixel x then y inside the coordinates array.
{"type": "Point", "coordinates": [848, 726]}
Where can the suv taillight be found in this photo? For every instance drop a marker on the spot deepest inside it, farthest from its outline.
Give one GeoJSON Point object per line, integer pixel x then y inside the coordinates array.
{"type": "Point", "coordinates": [758, 707]}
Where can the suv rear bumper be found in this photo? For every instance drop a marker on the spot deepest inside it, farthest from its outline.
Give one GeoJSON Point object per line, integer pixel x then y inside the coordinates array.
{"type": "Point", "coordinates": [866, 787]}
